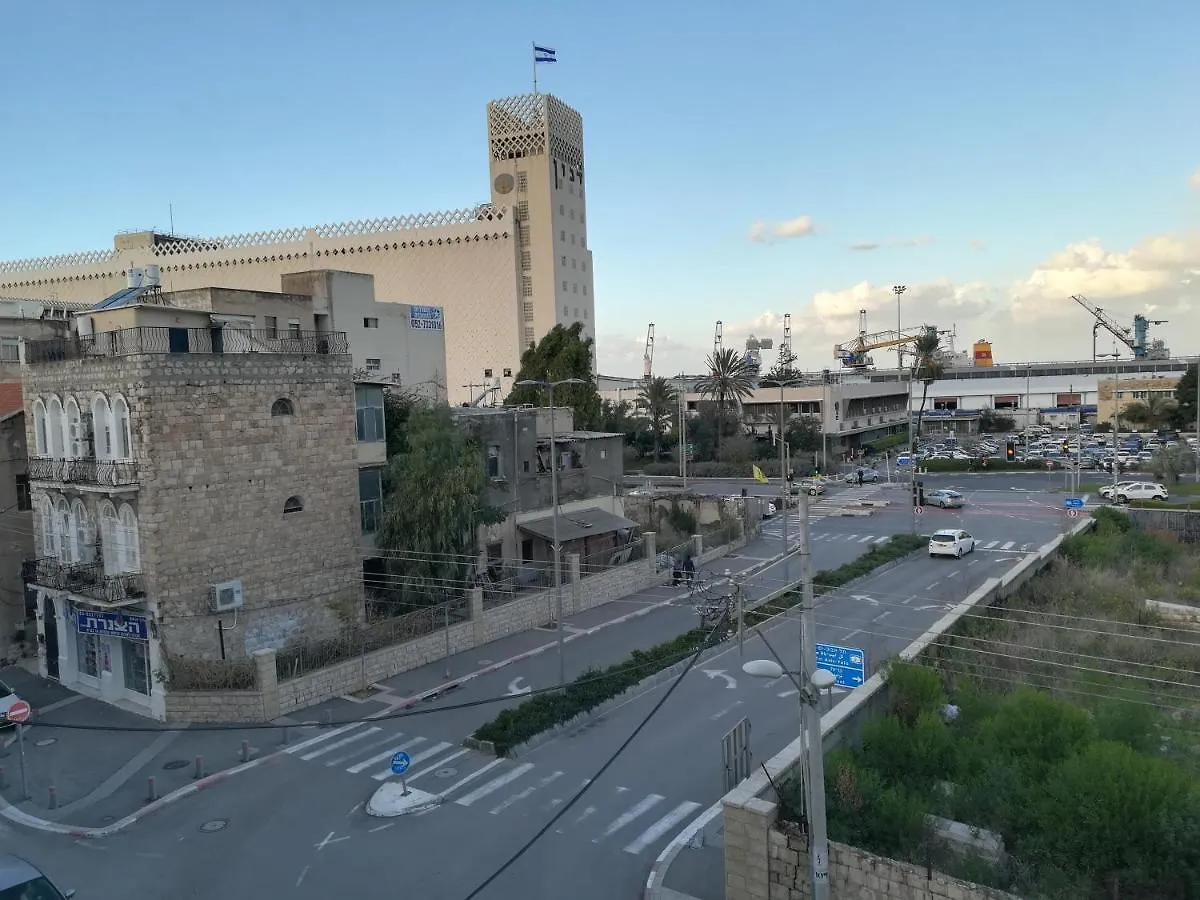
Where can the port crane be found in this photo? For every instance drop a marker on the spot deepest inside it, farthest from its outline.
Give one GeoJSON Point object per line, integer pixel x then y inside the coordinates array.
{"type": "Point", "coordinates": [1133, 338]}
{"type": "Point", "coordinates": [648, 356]}
{"type": "Point", "coordinates": [853, 354]}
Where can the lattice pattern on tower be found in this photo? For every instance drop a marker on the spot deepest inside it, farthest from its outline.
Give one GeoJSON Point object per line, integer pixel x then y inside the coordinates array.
{"type": "Point", "coordinates": [62, 261]}
{"type": "Point", "coordinates": [519, 127]}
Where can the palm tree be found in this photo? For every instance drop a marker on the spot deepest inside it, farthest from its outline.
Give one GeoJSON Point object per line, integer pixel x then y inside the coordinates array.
{"type": "Point", "coordinates": [658, 400]}
{"type": "Point", "coordinates": [927, 368]}
{"type": "Point", "coordinates": [730, 378]}
{"type": "Point", "coordinates": [1154, 412]}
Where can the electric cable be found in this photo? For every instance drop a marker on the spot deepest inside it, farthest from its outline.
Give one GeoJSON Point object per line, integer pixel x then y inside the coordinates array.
{"type": "Point", "coordinates": [504, 867]}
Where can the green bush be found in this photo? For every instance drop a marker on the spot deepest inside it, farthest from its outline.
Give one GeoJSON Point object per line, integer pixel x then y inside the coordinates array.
{"type": "Point", "coordinates": [970, 465]}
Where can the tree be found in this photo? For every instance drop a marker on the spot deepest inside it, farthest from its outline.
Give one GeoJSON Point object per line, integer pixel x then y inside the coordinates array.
{"type": "Point", "coordinates": [563, 353]}
{"type": "Point", "coordinates": [616, 417]}
{"type": "Point", "coordinates": [992, 422]}
{"type": "Point", "coordinates": [927, 368]}
{"type": "Point", "coordinates": [784, 368]}
{"type": "Point", "coordinates": [730, 378]}
{"type": "Point", "coordinates": [659, 403]}
{"type": "Point", "coordinates": [1185, 401]}
{"type": "Point", "coordinates": [435, 490]}
{"type": "Point", "coordinates": [1153, 413]}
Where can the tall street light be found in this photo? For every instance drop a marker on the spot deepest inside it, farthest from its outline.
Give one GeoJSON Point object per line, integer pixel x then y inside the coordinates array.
{"type": "Point", "coordinates": [899, 289]}
{"type": "Point", "coordinates": [783, 484]}
{"type": "Point", "coordinates": [558, 605]}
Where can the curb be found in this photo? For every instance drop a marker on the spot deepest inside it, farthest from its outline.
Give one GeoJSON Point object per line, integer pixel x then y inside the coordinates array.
{"type": "Point", "coordinates": [655, 881]}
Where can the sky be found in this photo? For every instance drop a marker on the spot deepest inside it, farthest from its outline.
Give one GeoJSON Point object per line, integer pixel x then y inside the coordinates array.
{"type": "Point", "coordinates": [744, 161]}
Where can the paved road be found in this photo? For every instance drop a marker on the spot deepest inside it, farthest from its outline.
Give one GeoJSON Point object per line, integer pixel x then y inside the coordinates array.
{"type": "Point", "coordinates": [295, 826]}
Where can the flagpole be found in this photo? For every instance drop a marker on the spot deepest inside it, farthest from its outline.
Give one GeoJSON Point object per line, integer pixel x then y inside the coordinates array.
{"type": "Point", "coordinates": [533, 47]}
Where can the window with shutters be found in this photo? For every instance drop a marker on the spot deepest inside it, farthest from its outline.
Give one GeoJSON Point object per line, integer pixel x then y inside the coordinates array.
{"type": "Point", "coordinates": [526, 260]}
{"type": "Point", "coordinates": [526, 285]}
{"type": "Point", "coordinates": [527, 310]}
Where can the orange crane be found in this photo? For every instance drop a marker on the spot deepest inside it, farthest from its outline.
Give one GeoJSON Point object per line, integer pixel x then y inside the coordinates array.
{"type": "Point", "coordinates": [853, 353]}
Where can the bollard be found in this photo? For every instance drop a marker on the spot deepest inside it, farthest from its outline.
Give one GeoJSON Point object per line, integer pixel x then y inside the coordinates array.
{"type": "Point", "coordinates": [53, 797]}
{"type": "Point", "coordinates": [3, 780]}
{"type": "Point", "coordinates": [152, 790]}
{"type": "Point", "coordinates": [283, 739]}
{"type": "Point", "coordinates": [245, 751]}
{"type": "Point", "coordinates": [199, 767]}
{"type": "Point", "coordinates": [329, 718]}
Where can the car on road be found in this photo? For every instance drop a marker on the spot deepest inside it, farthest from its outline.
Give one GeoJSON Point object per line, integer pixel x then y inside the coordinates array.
{"type": "Point", "coordinates": [869, 476]}
{"type": "Point", "coordinates": [1142, 490]}
{"type": "Point", "coordinates": [22, 880]}
{"type": "Point", "coordinates": [1109, 491]}
{"type": "Point", "coordinates": [7, 698]}
{"type": "Point", "coordinates": [809, 486]}
{"type": "Point", "coordinates": [951, 542]}
{"type": "Point", "coordinates": [945, 498]}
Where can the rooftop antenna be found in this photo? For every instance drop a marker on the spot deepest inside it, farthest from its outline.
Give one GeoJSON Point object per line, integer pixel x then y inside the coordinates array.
{"type": "Point", "coordinates": [171, 217]}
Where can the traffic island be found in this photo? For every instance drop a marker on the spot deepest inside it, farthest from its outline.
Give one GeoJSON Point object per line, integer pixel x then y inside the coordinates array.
{"type": "Point", "coordinates": [394, 799]}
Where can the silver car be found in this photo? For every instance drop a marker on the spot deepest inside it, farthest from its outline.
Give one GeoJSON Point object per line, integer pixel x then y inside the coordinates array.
{"type": "Point", "coordinates": [946, 499]}
{"type": "Point", "coordinates": [21, 880]}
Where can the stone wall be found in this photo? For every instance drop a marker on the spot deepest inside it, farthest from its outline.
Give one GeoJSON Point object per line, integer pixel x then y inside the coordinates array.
{"type": "Point", "coordinates": [1183, 523]}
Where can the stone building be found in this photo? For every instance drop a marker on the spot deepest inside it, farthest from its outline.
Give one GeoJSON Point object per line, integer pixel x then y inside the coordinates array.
{"type": "Point", "coordinates": [505, 270]}
{"type": "Point", "coordinates": [196, 495]}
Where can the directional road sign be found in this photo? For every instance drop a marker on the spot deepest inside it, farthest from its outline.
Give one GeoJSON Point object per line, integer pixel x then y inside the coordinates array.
{"type": "Point", "coordinates": [400, 763]}
{"type": "Point", "coordinates": [848, 664]}
{"type": "Point", "coordinates": [1072, 503]}
{"type": "Point", "coordinates": [904, 460]}
{"type": "Point", "coordinates": [19, 712]}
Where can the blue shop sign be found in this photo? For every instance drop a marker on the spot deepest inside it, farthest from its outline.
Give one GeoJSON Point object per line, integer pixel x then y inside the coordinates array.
{"type": "Point", "coordinates": [426, 318]}
{"type": "Point", "coordinates": [113, 624]}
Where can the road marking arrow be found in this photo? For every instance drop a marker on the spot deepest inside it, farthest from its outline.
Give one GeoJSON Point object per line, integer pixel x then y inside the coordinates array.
{"type": "Point", "coordinates": [931, 606]}
{"type": "Point", "coordinates": [730, 681]}
{"type": "Point", "coordinates": [515, 689]}
{"type": "Point", "coordinates": [865, 599]}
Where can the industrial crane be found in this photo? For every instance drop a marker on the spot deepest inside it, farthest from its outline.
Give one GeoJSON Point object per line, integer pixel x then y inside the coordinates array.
{"type": "Point", "coordinates": [648, 357]}
{"type": "Point", "coordinates": [785, 347]}
{"type": "Point", "coordinates": [853, 354]}
{"type": "Point", "coordinates": [1133, 338]}
{"type": "Point", "coordinates": [718, 337]}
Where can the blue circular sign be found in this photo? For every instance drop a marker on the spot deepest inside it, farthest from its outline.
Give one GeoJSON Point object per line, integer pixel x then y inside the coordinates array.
{"type": "Point", "coordinates": [400, 763]}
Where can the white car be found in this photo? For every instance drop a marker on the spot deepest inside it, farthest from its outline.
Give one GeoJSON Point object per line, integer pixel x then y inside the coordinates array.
{"type": "Point", "coordinates": [951, 542]}
{"type": "Point", "coordinates": [1142, 490]}
{"type": "Point", "coordinates": [7, 698]}
{"type": "Point", "coordinates": [1109, 491]}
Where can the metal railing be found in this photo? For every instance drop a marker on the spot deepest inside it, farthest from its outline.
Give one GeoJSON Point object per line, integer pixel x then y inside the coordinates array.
{"type": "Point", "coordinates": [83, 471]}
{"type": "Point", "coordinates": [156, 339]}
{"type": "Point", "coordinates": [86, 579]}
{"type": "Point", "coordinates": [603, 560]}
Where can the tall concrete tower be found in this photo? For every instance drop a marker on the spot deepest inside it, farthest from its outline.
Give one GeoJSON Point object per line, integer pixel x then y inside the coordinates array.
{"type": "Point", "coordinates": [536, 147]}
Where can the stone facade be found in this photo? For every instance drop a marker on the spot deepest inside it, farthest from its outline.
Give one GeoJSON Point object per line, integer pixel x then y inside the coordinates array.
{"type": "Point", "coordinates": [215, 470]}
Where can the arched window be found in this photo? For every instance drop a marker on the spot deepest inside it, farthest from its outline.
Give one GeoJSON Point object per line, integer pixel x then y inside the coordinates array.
{"type": "Point", "coordinates": [292, 505]}
{"type": "Point", "coordinates": [64, 531]}
{"type": "Point", "coordinates": [122, 433]}
{"type": "Point", "coordinates": [110, 539]}
{"type": "Point", "coordinates": [58, 429]}
{"type": "Point", "coordinates": [102, 427]}
{"type": "Point", "coordinates": [41, 432]}
{"type": "Point", "coordinates": [282, 407]}
{"type": "Point", "coordinates": [131, 556]}
{"type": "Point", "coordinates": [83, 549]}
{"type": "Point", "coordinates": [49, 537]}
{"type": "Point", "coordinates": [75, 442]}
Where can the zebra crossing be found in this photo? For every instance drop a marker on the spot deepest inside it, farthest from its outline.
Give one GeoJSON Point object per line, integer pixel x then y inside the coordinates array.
{"type": "Point", "coordinates": [871, 539]}
{"type": "Point", "coordinates": [468, 780]}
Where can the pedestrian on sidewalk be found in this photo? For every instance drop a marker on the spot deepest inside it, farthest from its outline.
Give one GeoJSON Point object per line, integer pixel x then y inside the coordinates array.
{"type": "Point", "coordinates": [689, 571]}
{"type": "Point", "coordinates": [860, 478]}
{"type": "Point", "coordinates": [677, 572]}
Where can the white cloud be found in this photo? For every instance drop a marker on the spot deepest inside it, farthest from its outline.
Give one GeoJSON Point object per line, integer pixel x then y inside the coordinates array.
{"type": "Point", "coordinates": [923, 240]}
{"type": "Point", "coordinates": [768, 232]}
{"type": "Point", "coordinates": [1194, 181]}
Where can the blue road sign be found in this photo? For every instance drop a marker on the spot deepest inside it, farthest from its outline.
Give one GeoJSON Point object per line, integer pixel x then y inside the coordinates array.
{"type": "Point", "coordinates": [400, 763]}
{"type": "Point", "coordinates": [848, 664]}
{"type": "Point", "coordinates": [1072, 503]}
{"type": "Point", "coordinates": [904, 460]}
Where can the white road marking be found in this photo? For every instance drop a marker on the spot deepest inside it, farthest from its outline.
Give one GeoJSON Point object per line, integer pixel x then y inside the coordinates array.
{"type": "Point", "coordinates": [792, 693]}
{"type": "Point", "coordinates": [852, 634]}
{"type": "Point", "coordinates": [867, 538]}
{"type": "Point", "coordinates": [494, 785]}
{"type": "Point", "coordinates": [662, 826]}
{"type": "Point", "coordinates": [469, 778]}
{"type": "Point", "coordinates": [879, 618]}
{"type": "Point", "coordinates": [386, 754]}
{"type": "Point", "coordinates": [440, 764]}
{"type": "Point", "coordinates": [1008, 545]}
{"type": "Point", "coordinates": [321, 751]}
{"type": "Point", "coordinates": [990, 544]}
{"type": "Point", "coordinates": [641, 808]}
{"type": "Point", "coordinates": [370, 745]}
{"type": "Point", "coordinates": [521, 795]}
{"type": "Point", "coordinates": [296, 748]}
{"type": "Point", "coordinates": [419, 758]}
{"type": "Point", "coordinates": [381, 827]}
{"type": "Point", "coordinates": [300, 880]}
{"type": "Point", "coordinates": [330, 839]}
{"type": "Point", "coordinates": [882, 540]}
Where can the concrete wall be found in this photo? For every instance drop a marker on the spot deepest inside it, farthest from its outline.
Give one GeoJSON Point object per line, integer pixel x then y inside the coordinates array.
{"type": "Point", "coordinates": [215, 469]}
{"type": "Point", "coordinates": [1183, 523]}
{"type": "Point", "coordinates": [750, 815]}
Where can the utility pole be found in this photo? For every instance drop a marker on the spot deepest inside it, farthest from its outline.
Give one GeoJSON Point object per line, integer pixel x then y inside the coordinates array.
{"type": "Point", "coordinates": [899, 289]}
{"type": "Point", "coordinates": [739, 598]}
{"type": "Point", "coordinates": [682, 392]}
{"type": "Point", "coordinates": [783, 484]}
{"type": "Point", "coordinates": [814, 755]}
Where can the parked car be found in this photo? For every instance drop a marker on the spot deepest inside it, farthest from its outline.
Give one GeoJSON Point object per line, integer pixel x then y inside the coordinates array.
{"type": "Point", "coordinates": [1109, 491]}
{"type": "Point", "coordinates": [946, 499]}
{"type": "Point", "coordinates": [1142, 490]}
{"type": "Point", "coordinates": [869, 476]}
{"type": "Point", "coordinates": [951, 542]}
{"type": "Point", "coordinates": [22, 880]}
{"type": "Point", "coordinates": [7, 698]}
{"type": "Point", "coordinates": [809, 485]}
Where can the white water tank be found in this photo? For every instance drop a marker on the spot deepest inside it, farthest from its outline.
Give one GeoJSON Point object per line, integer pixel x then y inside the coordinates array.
{"type": "Point", "coordinates": [135, 277]}
{"type": "Point", "coordinates": [153, 276]}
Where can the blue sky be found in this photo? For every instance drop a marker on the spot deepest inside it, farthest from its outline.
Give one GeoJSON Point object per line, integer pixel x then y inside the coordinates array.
{"type": "Point", "coordinates": [1024, 127]}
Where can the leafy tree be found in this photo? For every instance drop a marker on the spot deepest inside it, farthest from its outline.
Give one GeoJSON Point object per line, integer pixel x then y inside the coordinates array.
{"type": "Point", "coordinates": [992, 422]}
{"type": "Point", "coordinates": [730, 379]}
{"type": "Point", "coordinates": [434, 500]}
{"type": "Point", "coordinates": [784, 368]}
{"type": "Point", "coordinates": [1153, 413]}
{"type": "Point", "coordinates": [563, 353]}
{"type": "Point", "coordinates": [397, 407]}
{"type": "Point", "coordinates": [659, 403]}
{"type": "Point", "coordinates": [927, 368]}
{"type": "Point", "coordinates": [803, 435]}
{"type": "Point", "coordinates": [616, 416]}
{"type": "Point", "coordinates": [1185, 401]}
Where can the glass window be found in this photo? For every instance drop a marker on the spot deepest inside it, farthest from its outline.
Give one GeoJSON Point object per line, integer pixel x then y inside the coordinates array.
{"type": "Point", "coordinates": [88, 649]}
{"type": "Point", "coordinates": [136, 666]}
{"type": "Point", "coordinates": [368, 409]}
{"type": "Point", "coordinates": [370, 498]}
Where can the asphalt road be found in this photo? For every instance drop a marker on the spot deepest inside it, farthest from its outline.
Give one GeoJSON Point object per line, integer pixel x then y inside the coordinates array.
{"type": "Point", "coordinates": [294, 826]}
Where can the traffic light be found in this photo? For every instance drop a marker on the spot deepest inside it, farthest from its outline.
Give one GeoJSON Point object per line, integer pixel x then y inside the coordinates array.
{"type": "Point", "coordinates": [1065, 446]}
{"type": "Point", "coordinates": [1010, 451]}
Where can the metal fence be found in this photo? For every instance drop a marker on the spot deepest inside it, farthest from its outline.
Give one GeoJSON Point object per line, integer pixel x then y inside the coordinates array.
{"type": "Point", "coordinates": [83, 471]}
{"type": "Point", "coordinates": [155, 339]}
{"type": "Point", "coordinates": [211, 675]}
{"type": "Point", "coordinates": [354, 642]}
{"type": "Point", "coordinates": [603, 560]}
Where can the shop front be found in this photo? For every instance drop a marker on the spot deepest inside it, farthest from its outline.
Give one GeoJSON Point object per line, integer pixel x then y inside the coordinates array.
{"type": "Point", "coordinates": [107, 654]}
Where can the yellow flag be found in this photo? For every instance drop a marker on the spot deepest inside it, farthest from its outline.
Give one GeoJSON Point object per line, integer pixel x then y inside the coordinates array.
{"type": "Point", "coordinates": [759, 476]}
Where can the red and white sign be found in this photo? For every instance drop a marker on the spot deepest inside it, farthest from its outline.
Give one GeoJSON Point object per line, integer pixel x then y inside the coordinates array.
{"type": "Point", "coordinates": [920, 510]}
{"type": "Point", "coordinates": [19, 712]}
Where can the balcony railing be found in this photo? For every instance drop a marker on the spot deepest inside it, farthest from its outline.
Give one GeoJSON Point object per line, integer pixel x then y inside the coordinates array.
{"type": "Point", "coordinates": [105, 472]}
{"type": "Point", "coordinates": [87, 579]}
{"type": "Point", "coordinates": [155, 339]}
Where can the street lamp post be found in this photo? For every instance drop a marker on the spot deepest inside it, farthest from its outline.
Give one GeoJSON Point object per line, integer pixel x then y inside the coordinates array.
{"type": "Point", "coordinates": [899, 289]}
{"type": "Point", "coordinates": [558, 605]}
{"type": "Point", "coordinates": [783, 461]}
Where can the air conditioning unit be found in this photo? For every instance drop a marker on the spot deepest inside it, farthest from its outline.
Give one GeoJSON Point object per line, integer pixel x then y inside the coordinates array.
{"type": "Point", "coordinates": [225, 596]}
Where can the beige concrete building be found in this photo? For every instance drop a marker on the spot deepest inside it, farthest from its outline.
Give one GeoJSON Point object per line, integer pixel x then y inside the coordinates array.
{"type": "Point", "coordinates": [196, 496]}
{"type": "Point", "coordinates": [1118, 393]}
{"type": "Point", "coordinates": [504, 271]}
